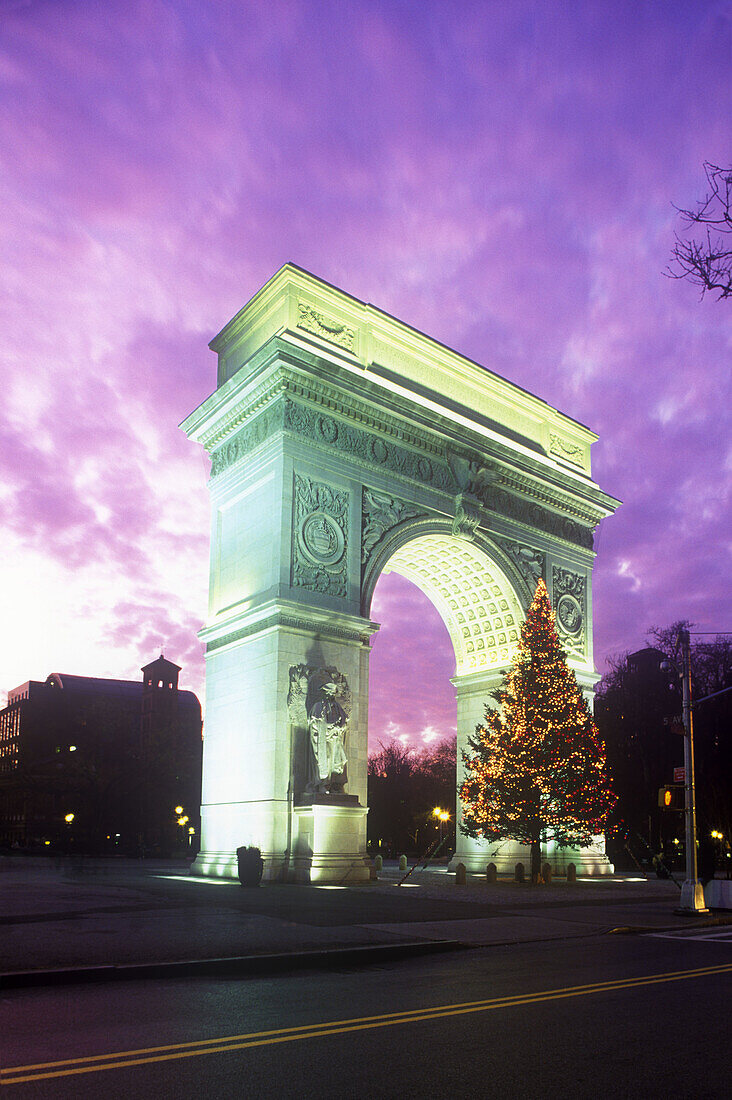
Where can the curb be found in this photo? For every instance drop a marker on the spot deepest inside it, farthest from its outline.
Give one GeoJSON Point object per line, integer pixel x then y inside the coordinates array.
{"type": "Point", "coordinates": [241, 966]}
{"type": "Point", "coordinates": [690, 922]}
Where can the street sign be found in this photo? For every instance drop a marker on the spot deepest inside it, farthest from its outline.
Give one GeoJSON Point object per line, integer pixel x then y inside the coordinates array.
{"type": "Point", "coordinates": [675, 724]}
{"type": "Point", "coordinates": [679, 775]}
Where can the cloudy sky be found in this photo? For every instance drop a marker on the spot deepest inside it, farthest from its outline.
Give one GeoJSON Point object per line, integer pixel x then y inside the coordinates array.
{"type": "Point", "coordinates": [501, 176]}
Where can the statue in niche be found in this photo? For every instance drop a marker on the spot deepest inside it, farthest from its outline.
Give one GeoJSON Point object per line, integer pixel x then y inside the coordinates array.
{"type": "Point", "coordinates": [327, 722]}
{"type": "Point", "coordinates": [319, 701]}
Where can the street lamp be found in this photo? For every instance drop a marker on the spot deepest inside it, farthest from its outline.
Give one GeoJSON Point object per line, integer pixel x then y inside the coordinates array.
{"type": "Point", "coordinates": [692, 892]}
{"type": "Point", "coordinates": [442, 816]}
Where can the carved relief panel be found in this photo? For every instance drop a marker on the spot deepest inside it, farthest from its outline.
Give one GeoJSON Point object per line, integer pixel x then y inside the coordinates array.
{"type": "Point", "coordinates": [320, 538]}
{"type": "Point", "coordinates": [529, 562]}
{"type": "Point", "coordinates": [569, 591]}
{"type": "Point", "coordinates": [381, 512]}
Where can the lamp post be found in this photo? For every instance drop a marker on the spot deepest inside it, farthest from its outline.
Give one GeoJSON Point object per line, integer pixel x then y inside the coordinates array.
{"type": "Point", "coordinates": [182, 820]}
{"type": "Point", "coordinates": [442, 816]}
{"type": "Point", "coordinates": [692, 892]}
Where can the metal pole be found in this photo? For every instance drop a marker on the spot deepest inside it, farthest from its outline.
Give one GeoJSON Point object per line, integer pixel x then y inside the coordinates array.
{"type": "Point", "coordinates": [692, 892]}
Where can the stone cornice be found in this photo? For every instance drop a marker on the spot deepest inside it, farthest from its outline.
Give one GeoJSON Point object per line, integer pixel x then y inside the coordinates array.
{"type": "Point", "coordinates": [291, 375]}
{"type": "Point", "coordinates": [567, 518]}
{"type": "Point", "coordinates": [280, 374]}
{"type": "Point", "coordinates": [228, 408]}
{"type": "Point", "coordinates": [585, 512]}
{"type": "Point", "coordinates": [366, 341]}
{"type": "Point", "coordinates": [285, 613]}
{"type": "Point", "coordinates": [318, 393]}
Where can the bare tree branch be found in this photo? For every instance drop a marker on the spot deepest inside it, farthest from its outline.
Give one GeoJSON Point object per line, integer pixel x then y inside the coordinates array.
{"type": "Point", "coordinates": [707, 262]}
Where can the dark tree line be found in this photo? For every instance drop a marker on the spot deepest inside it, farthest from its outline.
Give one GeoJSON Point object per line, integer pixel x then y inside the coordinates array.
{"type": "Point", "coordinates": [637, 708]}
{"type": "Point", "coordinates": [405, 787]}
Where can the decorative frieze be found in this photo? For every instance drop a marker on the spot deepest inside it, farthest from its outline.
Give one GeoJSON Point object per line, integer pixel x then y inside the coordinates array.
{"type": "Point", "coordinates": [482, 481]}
{"type": "Point", "coordinates": [533, 515]}
{"type": "Point", "coordinates": [569, 599]}
{"type": "Point", "coordinates": [317, 394]}
{"type": "Point", "coordinates": [365, 446]}
{"type": "Point", "coordinates": [320, 538]}
{"type": "Point", "coordinates": [326, 328]}
{"type": "Point", "coordinates": [247, 439]}
{"type": "Point", "coordinates": [485, 481]}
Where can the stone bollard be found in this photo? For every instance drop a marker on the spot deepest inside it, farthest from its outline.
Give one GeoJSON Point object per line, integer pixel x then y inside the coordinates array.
{"type": "Point", "coordinates": [519, 873]}
{"type": "Point", "coordinates": [402, 863]}
{"type": "Point", "coordinates": [372, 873]}
{"type": "Point", "coordinates": [378, 863]}
{"type": "Point", "coordinates": [491, 873]}
{"type": "Point", "coordinates": [571, 873]}
{"type": "Point", "coordinates": [546, 873]}
{"type": "Point", "coordinates": [460, 879]}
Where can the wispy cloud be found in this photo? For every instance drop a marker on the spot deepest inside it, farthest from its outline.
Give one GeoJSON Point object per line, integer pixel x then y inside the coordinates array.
{"type": "Point", "coordinates": [500, 176]}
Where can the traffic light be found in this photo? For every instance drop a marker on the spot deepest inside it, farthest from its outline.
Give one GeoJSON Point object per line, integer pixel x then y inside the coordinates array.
{"type": "Point", "coordinates": [672, 798]}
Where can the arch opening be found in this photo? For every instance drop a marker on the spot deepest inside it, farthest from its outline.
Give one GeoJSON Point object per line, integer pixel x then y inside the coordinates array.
{"type": "Point", "coordinates": [473, 596]}
{"type": "Point", "coordinates": [412, 661]}
{"type": "Point", "coordinates": [412, 724]}
{"type": "Point", "coordinates": [481, 614]}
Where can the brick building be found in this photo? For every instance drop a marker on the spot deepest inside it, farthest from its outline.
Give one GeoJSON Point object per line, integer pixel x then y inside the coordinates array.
{"type": "Point", "coordinates": [100, 765]}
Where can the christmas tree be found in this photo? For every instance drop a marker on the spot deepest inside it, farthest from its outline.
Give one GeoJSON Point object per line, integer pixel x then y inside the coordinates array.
{"type": "Point", "coordinates": [537, 770]}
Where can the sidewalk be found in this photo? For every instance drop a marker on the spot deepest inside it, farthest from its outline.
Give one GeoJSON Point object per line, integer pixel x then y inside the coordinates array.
{"type": "Point", "coordinates": [66, 919]}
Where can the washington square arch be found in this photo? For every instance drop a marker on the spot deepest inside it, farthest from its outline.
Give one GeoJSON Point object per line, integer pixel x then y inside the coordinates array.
{"type": "Point", "coordinates": [345, 444]}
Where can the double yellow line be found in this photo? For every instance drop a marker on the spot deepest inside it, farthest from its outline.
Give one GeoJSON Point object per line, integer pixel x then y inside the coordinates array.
{"type": "Point", "coordinates": [122, 1059]}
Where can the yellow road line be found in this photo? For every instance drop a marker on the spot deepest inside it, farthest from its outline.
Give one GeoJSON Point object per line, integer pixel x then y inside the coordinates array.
{"type": "Point", "coordinates": [121, 1059]}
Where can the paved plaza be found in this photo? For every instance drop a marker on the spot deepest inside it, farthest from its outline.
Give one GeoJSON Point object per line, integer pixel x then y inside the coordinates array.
{"type": "Point", "coordinates": [68, 916]}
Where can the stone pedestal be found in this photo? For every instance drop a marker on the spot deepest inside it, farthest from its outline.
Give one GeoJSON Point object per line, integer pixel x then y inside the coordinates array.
{"type": "Point", "coordinates": [477, 854]}
{"type": "Point", "coordinates": [591, 860]}
{"type": "Point", "coordinates": [329, 842]}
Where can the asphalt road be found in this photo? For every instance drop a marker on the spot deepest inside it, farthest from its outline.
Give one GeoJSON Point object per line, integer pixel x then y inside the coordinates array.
{"type": "Point", "coordinates": [610, 1016]}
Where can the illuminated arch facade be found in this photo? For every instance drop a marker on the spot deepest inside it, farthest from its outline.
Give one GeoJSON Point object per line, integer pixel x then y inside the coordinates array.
{"type": "Point", "coordinates": [344, 444]}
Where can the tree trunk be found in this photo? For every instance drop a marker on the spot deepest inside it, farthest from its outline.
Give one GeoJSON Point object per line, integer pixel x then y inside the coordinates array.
{"type": "Point", "coordinates": [535, 862]}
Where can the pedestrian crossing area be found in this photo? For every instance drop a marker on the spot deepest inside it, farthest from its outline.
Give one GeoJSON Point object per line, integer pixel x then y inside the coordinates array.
{"type": "Point", "coordinates": [716, 935]}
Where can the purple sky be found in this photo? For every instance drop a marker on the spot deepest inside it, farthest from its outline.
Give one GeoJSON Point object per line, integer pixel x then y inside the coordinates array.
{"type": "Point", "coordinates": [501, 176]}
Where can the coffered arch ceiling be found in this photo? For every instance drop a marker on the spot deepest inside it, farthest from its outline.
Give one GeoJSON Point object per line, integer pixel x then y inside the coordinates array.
{"type": "Point", "coordinates": [475, 600]}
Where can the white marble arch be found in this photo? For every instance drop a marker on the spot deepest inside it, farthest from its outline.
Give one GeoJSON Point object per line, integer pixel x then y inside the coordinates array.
{"type": "Point", "coordinates": [345, 443]}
